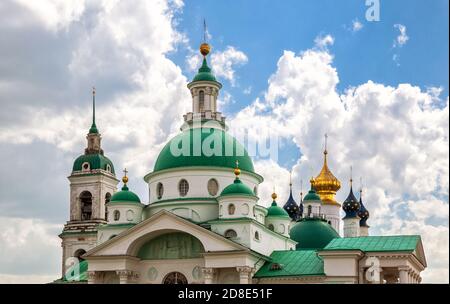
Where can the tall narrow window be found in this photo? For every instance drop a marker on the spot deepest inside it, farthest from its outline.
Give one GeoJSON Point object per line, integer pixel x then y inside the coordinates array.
{"type": "Point", "coordinates": [309, 210]}
{"type": "Point", "coordinates": [86, 205]}
{"type": "Point", "coordinates": [201, 101]}
{"type": "Point", "coordinates": [159, 190]}
{"type": "Point", "coordinates": [107, 200]}
{"type": "Point", "coordinates": [213, 187]}
{"type": "Point", "coordinates": [183, 187]}
{"type": "Point", "coordinates": [231, 209]}
{"type": "Point", "coordinates": [116, 215]}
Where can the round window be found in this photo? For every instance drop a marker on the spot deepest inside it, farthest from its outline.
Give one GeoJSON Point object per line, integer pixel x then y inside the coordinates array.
{"type": "Point", "coordinates": [213, 187]}
{"type": "Point", "coordinates": [183, 187]}
{"type": "Point", "coordinates": [159, 190]}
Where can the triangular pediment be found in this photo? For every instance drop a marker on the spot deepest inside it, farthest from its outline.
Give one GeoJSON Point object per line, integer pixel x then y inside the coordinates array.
{"type": "Point", "coordinates": [128, 242]}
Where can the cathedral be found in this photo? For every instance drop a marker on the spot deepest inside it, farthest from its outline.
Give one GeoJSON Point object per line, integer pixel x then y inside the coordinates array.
{"type": "Point", "coordinates": [203, 222]}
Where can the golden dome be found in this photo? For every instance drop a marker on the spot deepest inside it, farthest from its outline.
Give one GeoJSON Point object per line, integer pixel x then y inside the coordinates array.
{"type": "Point", "coordinates": [205, 49]}
{"type": "Point", "coordinates": [326, 184]}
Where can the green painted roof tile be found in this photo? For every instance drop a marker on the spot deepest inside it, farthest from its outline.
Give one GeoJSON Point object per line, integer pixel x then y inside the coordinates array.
{"type": "Point", "coordinates": [375, 243]}
{"type": "Point", "coordinates": [292, 263]}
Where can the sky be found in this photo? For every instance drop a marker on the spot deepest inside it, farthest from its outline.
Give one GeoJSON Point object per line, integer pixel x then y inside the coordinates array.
{"type": "Point", "coordinates": [294, 69]}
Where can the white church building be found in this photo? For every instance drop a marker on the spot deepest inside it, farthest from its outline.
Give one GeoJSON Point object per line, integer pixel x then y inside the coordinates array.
{"type": "Point", "coordinates": [203, 221]}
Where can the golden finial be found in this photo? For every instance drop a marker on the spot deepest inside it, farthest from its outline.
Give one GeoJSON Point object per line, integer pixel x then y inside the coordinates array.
{"type": "Point", "coordinates": [237, 171]}
{"type": "Point", "coordinates": [312, 181]}
{"type": "Point", "coordinates": [125, 177]}
{"type": "Point", "coordinates": [204, 47]}
{"type": "Point", "coordinates": [274, 195]}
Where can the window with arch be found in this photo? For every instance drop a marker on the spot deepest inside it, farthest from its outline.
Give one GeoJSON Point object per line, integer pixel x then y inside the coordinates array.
{"type": "Point", "coordinates": [231, 209]}
{"type": "Point", "coordinates": [86, 205]}
{"type": "Point", "coordinates": [116, 215]}
{"type": "Point", "coordinates": [309, 210]}
{"type": "Point", "coordinates": [79, 253]}
{"type": "Point", "coordinates": [271, 227]}
{"type": "Point", "coordinates": [107, 200]}
{"type": "Point", "coordinates": [230, 233]}
{"type": "Point", "coordinates": [201, 101]}
{"type": "Point", "coordinates": [213, 187]}
{"type": "Point", "coordinates": [108, 168]}
{"type": "Point", "coordinates": [175, 278]}
{"type": "Point", "coordinates": [255, 190]}
{"type": "Point", "coordinates": [159, 190]}
{"type": "Point", "coordinates": [85, 166]}
{"type": "Point", "coordinates": [257, 235]}
{"type": "Point", "coordinates": [183, 187]}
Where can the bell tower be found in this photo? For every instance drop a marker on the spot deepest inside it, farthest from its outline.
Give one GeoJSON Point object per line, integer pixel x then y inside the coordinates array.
{"type": "Point", "coordinates": [92, 183]}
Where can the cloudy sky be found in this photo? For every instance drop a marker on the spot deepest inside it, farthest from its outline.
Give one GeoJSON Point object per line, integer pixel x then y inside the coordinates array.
{"type": "Point", "coordinates": [299, 69]}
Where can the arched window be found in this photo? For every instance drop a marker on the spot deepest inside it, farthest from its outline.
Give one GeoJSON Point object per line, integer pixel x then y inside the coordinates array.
{"type": "Point", "coordinates": [201, 101]}
{"type": "Point", "coordinates": [257, 235]}
{"type": "Point", "coordinates": [108, 168]}
{"type": "Point", "coordinates": [116, 215]}
{"type": "Point", "coordinates": [183, 187]}
{"type": "Point", "coordinates": [213, 187]}
{"type": "Point", "coordinates": [86, 205]}
{"type": "Point", "coordinates": [107, 200]}
{"type": "Point", "coordinates": [159, 190]}
{"type": "Point", "coordinates": [271, 227]}
{"type": "Point", "coordinates": [175, 278]}
{"type": "Point", "coordinates": [85, 166]}
{"type": "Point", "coordinates": [230, 233]}
{"type": "Point", "coordinates": [309, 210]}
{"type": "Point", "coordinates": [231, 209]}
{"type": "Point", "coordinates": [255, 190]}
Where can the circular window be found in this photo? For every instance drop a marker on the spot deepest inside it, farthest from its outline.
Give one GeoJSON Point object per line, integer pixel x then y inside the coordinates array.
{"type": "Point", "coordinates": [271, 227]}
{"type": "Point", "coordinates": [213, 187]}
{"type": "Point", "coordinates": [130, 215]}
{"type": "Point", "coordinates": [159, 190]}
{"type": "Point", "coordinates": [86, 166]}
{"type": "Point", "coordinates": [175, 278]}
{"type": "Point", "coordinates": [116, 215]}
{"type": "Point", "coordinates": [183, 187]}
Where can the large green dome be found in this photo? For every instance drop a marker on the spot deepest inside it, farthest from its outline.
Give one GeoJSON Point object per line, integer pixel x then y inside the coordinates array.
{"type": "Point", "coordinates": [166, 160]}
{"type": "Point", "coordinates": [312, 233]}
{"type": "Point", "coordinates": [96, 161]}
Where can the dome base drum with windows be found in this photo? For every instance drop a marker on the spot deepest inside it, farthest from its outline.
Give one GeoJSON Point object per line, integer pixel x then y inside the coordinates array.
{"type": "Point", "coordinates": [203, 221]}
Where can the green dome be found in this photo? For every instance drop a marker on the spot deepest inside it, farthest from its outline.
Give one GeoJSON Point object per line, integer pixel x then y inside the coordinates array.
{"type": "Point", "coordinates": [237, 188]}
{"type": "Point", "coordinates": [274, 210]}
{"type": "Point", "coordinates": [312, 233]}
{"type": "Point", "coordinates": [166, 160]}
{"type": "Point", "coordinates": [204, 73]}
{"type": "Point", "coordinates": [96, 161]}
{"type": "Point", "coordinates": [125, 196]}
{"type": "Point", "coordinates": [312, 196]}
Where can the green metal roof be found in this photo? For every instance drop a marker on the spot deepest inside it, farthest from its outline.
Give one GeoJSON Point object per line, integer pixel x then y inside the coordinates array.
{"type": "Point", "coordinates": [194, 158]}
{"type": "Point", "coordinates": [275, 210]}
{"type": "Point", "coordinates": [312, 196]}
{"type": "Point", "coordinates": [237, 188]}
{"type": "Point", "coordinates": [204, 73]}
{"type": "Point", "coordinates": [375, 243]}
{"type": "Point", "coordinates": [125, 196]}
{"type": "Point", "coordinates": [96, 161]}
{"type": "Point", "coordinates": [292, 263]}
{"type": "Point", "coordinates": [312, 233]}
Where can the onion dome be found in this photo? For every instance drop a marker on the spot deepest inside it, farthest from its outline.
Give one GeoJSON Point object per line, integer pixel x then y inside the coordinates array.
{"type": "Point", "coordinates": [275, 210]}
{"type": "Point", "coordinates": [363, 213]}
{"type": "Point", "coordinates": [312, 233]}
{"type": "Point", "coordinates": [125, 195]}
{"type": "Point", "coordinates": [291, 206]}
{"type": "Point", "coordinates": [312, 194]}
{"type": "Point", "coordinates": [95, 161]}
{"type": "Point", "coordinates": [351, 205]}
{"type": "Point", "coordinates": [326, 184]}
{"type": "Point", "coordinates": [237, 187]}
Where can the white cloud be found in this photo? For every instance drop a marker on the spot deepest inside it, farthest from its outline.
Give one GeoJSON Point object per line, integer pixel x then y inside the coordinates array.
{"type": "Point", "coordinates": [224, 63]}
{"type": "Point", "coordinates": [402, 38]}
{"type": "Point", "coordinates": [396, 138]}
{"type": "Point", "coordinates": [322, 42]}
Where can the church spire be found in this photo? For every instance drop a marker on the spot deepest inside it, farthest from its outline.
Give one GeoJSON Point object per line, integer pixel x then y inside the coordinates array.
{"type": "Point", "coordinates": [93, 129]}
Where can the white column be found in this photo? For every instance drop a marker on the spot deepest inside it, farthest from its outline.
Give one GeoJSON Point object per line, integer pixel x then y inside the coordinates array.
{"type": "Point", "coordinates": [244, 274]}
{"type": "Point", "coordinates": [208, 274]}
{"type": "Point", "coordinates": [403, 275]}
{"type": "Point", "coordinates": [124, 275]}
